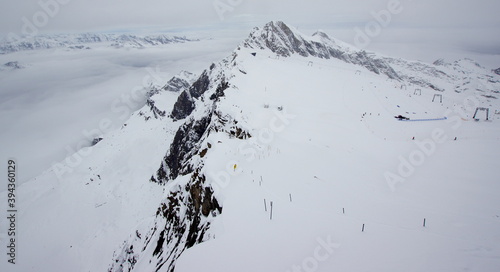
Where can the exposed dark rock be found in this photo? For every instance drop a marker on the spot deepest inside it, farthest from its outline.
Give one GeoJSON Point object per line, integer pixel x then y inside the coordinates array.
{"type": "Point", "coordinates": [183, 107]}
{"type": "Point", "coordinates": [13, 65]}
{"type": "Point", "coordinates": [185, 103]}
{"type": "Point", "coordinates": [184, 146]}
{"type": "Point", "coordinates": [203, 153]}
{"type": "Point", "coordinates": [96, 141]}
{"type": "Point", "coordinates": [378, 66]}
{"type": "Point", "coordinates": [177, 83]}
{"type": "Point", "coordinates": [439, 62]}
{"type": "Point", "coordinates": [157, 113]}
{"type": "Point", "coordinates": [180, 219]}
{"type": "Point", "coordinates": [489, 96]}
{"type": "Point", "coordinates": [284, 42]}
{"type": "Point", "coordinates": [219, 92]}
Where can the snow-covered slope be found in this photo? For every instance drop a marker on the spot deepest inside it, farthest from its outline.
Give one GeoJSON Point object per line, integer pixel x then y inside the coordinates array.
{"type": "Point", "coordinates": [87, 41]}
{"type": "Point", "coordinates": [305, 123]}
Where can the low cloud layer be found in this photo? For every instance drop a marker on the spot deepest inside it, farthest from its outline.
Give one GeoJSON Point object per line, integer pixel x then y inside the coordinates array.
{"type": "Point", "coordinates": [49, 104]}
{"type": "Point", "coordinates": [471, 26]}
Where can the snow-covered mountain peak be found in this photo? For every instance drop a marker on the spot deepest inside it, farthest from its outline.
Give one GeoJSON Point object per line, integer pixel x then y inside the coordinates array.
{"type": "Point", "coordinates": [285, 41]}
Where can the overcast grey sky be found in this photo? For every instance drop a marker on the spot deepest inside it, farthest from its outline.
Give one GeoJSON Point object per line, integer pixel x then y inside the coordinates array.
{"type": "Point", "coordinates": [442, 25]}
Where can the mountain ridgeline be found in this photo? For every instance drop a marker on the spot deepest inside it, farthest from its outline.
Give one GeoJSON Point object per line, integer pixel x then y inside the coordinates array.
{"type": "Point", "coordinates": [185, 215]}
{"type": "Point", "coordinates": [284, 41]}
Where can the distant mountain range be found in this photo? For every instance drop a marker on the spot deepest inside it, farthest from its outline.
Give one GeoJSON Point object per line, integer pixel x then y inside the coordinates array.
{"type": "Point", "coordinates": [86, 40]}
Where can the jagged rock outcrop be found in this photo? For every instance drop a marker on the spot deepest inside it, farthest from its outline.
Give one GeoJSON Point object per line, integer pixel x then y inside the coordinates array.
{"type": "Point", "coordinates": [185, 103]}
{"type": "Point", "coordinates": [184, 146]}
{"type": "Point", "coordinates": [155, 108]}
{"type": "Point", "coordinates": [497, 71]}
{"type": "Point", "coordinates": [184, 217]}
{"type": "Point", "coordinates": [440, 62]}
{"type": "Point", "coordinates": [181, 221]}
{"type": "Point", "coordinates": [157, 113]}
{"type": "Point", "coordinates": [284, 41]}
{"type": "Point", "coordinates": [180, 82]}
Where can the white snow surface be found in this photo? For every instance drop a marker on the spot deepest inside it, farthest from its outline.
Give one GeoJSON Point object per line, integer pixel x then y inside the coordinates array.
{"type": "Point", "coordinates": [324, 139]}
{"type": "Point", "coordinates": [330, 158]}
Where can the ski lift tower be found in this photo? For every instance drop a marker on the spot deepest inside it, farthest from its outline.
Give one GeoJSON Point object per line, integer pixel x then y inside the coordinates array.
{"type": "Point", "coordinates": [487, 110]}
{"type": "Point", "coordinates": [440, 96]}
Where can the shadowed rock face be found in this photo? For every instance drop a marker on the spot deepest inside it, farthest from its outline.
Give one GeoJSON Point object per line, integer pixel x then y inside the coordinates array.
{"type": "Point", "coordinates": [183, 218]}
{"type": "Point", "coordinates": [497, 71]}
{"type": "Point", "coordinates": [184, 146]}
{"type": "Point", "coordinates": [181, 221]}
{"type": "Point", "coordinates": [185, 103]}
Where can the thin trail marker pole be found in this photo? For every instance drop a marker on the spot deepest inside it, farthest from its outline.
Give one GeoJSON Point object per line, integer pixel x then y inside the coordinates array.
{"type": "Point", "coordinates": [271, 217]}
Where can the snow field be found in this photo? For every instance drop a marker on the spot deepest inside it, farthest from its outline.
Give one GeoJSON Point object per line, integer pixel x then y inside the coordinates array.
{"type": "Point", "coordinates": [329, 158]}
